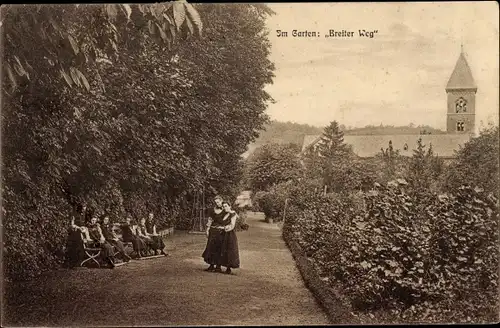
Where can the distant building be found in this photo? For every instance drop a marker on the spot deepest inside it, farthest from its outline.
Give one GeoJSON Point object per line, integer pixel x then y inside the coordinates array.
{"type": "Point", "coordinates": [460, 123]}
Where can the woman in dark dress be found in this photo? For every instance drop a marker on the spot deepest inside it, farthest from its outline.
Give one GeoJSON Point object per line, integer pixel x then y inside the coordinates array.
{"type": "Point", "coordinates": [159, 245]}
{"type": "Point", "coordinates": [215, 234]}
{"type": "Point", "coordinates": [129, 236]}
{"type": "Point", "coordinates": [112, 238]}
{"type": "Point", "coordinates": [98, 240]}
{"type": "Point", "coordinates": [77, 232]}
{"type": "Point", "coordinates": [230, 257]}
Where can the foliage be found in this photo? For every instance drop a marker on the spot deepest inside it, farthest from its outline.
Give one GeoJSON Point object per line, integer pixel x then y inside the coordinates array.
{"type": "Point", "coordinates": [241, 224]}
{"type": "Point", "coordinates": [476, 163]}
{"type": "Point", "coordinates": [162, 127]}
{"type": "Point", "coordinates": [334, 163]}
{"type": "Point", "coordinates": [60, 42]}
{"type": "Point", "coordinates": [272, 164]}
{"type": "Point", "coordinates": [424, 168]}
{"type": "Point", "coordinates": [331, 145]}
{"type": "Point", "coordinates": [422, 258]}
{"type": "Point", "coordinates": [392, 163]}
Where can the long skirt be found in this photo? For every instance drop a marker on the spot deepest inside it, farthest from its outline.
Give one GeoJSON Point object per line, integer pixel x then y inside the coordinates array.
{"type": "Point", "coordinates": [106, 249]}
{"type": "Point", "coordinates": [157, 243]}
{"type": "Point", "coordinates": [137, 243]}
{"type": "Point", "coordinates": [74, 248]}
{"type": "Point", "coordinates": [213, 250]}
{"type": "Point", "coordinates": [148, 243]}
{"type": "Point", "coordinates": [230, 256]}
{"type": "Point", "coordinates": [118, 244]}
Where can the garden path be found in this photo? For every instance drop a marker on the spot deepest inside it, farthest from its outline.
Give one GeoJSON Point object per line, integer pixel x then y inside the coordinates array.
{"type": "Point", "coordinates": [266, 290]}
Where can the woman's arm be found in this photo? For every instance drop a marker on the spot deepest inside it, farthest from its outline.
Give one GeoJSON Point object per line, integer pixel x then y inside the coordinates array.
{"type": "Point", "coordinates": [154, 230]}
{"type": "Point", "coordinates": [231, 226]}
{"type": "Point", "coordinates": [100, 234]}
{"type": "Point", "coordinates": [73, 225]}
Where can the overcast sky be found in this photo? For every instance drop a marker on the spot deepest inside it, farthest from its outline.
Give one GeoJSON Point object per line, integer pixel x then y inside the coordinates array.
{"type": "Point", "coordinates": [397, 77]}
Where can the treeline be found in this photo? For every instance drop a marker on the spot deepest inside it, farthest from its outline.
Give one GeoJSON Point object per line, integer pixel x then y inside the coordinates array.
{"type": "Point", "coordinates": [289, 132]}
{"type": "Point", "coordinates": [157, 125]}
{"type": "Point", "coordinates": [392, 130]}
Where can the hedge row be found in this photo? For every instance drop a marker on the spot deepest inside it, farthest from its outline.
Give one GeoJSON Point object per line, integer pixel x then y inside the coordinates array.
{"type": "Point", "coordinates": [411, 257]}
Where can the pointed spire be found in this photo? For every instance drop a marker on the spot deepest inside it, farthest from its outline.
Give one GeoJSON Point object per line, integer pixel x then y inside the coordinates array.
{"type": "Point", "coordinates": [461, 78]}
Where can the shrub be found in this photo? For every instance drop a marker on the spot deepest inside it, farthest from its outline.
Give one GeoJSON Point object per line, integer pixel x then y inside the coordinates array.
{"type": "Point", "coordinates": [417, 255]}
{"type": "Point", "coordinates": [241, 224]}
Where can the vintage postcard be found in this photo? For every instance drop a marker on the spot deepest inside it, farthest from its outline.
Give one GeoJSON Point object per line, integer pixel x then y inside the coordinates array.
{"type": "Point", "coordinates": [243, 164]}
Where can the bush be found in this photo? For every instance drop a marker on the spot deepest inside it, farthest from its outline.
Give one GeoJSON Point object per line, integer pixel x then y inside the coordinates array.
{"type": "Point", "coordinates": [421, 257]}
{"type": "Point", "coordinates": [241, 224]}
{"type": "Point", "coordinates": [272, 202]}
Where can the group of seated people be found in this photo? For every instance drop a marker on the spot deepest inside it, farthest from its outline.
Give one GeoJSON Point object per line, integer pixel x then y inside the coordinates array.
{"type": "Point", "coordinates": [86, 232]}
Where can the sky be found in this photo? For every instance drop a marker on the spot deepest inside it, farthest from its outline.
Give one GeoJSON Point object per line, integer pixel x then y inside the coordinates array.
{"type": "Point", "coordinates": [397, 77]}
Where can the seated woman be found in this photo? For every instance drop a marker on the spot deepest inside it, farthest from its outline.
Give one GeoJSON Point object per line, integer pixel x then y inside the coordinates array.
{"type": "Point", "coordinates": [98, 240]}
{"type": "Point", "coordinates": [112, 238]}
{"type": "Point", "coordinates": [151, 239]}
{"type": "Point", "coordinates": [77, 234]}
{"type": "Point", "coordinates": [151, 231]}
{"type": "Point", "coordinates": [143, 235]}
{"type": "Point", "coordinates": [129, 236]}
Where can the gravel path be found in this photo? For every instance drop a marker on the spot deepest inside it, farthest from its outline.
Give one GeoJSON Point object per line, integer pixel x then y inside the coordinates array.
{"type": "Point", "coordinates": [266, 290]}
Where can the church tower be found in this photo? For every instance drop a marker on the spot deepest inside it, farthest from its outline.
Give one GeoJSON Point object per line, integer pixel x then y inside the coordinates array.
{"type": "Point", "coordinates": [461, 91]}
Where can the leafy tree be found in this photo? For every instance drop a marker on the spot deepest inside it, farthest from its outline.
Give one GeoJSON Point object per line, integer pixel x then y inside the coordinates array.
{"type": "Point", "coordinates": [154, 128]}
{"type": "Point", "coordinates": [334, 157]}
{"type": "Point", "coordinates": [392, 165]}
{"type": "Point", "coordinates": [476, 163]}
{"type": "Point", "coordinates": [272, 164]}
{"type": "Point", "coordinates": [390, 158]}
{"type": "Point", "coordinates": [312, 163]}
{"type": "Point", "coordinates": [53, 42]}
{"type": "Point", "coordinates": [424, 168]}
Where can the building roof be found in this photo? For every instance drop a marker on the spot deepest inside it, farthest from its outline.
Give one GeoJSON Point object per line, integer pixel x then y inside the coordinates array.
{"type": "Point", "coordinates": [443, 145]}
{"type": "Point", "coordinates": [461, 78]}
{"type": "Point", "coordinates": [310, 140]}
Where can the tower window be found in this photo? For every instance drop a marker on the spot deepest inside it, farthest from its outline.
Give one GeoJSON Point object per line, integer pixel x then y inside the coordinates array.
{"type": "Point", "coordinates": [461, 105]}
{"type": "Point", "coordinates": [460, 126]}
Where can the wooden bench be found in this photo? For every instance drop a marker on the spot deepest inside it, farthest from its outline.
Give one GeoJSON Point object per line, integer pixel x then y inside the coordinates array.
{"type": "Point", "coordinates": [93, 254]}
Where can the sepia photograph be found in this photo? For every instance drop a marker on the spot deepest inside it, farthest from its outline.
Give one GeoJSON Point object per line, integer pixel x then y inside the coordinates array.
{"type": "Point", "coordinates": [249, 164]}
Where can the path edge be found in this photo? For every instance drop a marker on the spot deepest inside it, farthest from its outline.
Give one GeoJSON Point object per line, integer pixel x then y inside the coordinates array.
{"type": "Point", "coordinates": [334, 307]}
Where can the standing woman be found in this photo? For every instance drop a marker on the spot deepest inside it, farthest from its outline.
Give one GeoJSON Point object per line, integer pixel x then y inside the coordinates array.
{"type": "Point", "coordinates": [215, 234]}
{"type": "Point", "coordinates": [77, 234]}
{"type": "Point", "coordinates": [230, 256]}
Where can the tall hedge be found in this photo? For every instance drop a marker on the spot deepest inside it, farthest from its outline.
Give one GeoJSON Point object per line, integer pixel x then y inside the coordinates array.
{"type": "Point", "coordinates": [420, 258]}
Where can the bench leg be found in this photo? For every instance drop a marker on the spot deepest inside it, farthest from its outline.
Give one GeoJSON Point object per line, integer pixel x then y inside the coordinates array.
{"type": "Point", "coordinates": [92, 255]}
